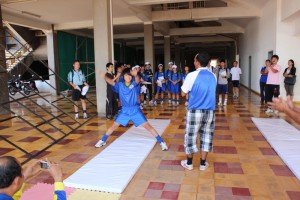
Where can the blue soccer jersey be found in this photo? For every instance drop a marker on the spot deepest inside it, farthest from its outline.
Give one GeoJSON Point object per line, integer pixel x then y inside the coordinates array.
{"type": "Point", "coordinates": [127, 94]}
{"type": "Point", "coordinates": [203, 92]}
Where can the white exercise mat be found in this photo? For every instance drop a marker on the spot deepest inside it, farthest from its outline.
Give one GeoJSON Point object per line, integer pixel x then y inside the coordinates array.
{"type": "Point", "coordinates": [285, 140]}
{"type": "Point", "coordinates": [113, 168]}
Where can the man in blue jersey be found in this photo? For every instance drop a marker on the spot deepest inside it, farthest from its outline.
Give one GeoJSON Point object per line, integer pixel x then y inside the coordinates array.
{"type": "Point", "coordinates": [263, 82]}
{"type": "Point", "coordinates": [200, 118]}
{"type": "Point", "coordinates": [160, 81]}
{"type": "Point", "coordinates": [130, 108]}
{"type": "Point", "coordinates": [169, 84]}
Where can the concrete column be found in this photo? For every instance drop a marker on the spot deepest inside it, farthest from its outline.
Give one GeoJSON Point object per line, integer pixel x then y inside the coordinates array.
{"type": "Point", "coordinates": [4, 97]}
{"type": "Point", "coordinates": [51, 60]}
{"type": "Point", "coordinates": [104, 48]}
{"type": "Point", "coordinates": [177, 54]}
{"type": "Point", "coordinates": [149, 43]}
{"type": "Point", "coordinates": [167, 51]}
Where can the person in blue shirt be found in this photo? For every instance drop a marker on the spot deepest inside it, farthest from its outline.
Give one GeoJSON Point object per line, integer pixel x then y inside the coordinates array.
{"type": "Point", "coordinates": [130, 108]}
{"type": "Point", "coordinates": [200, 118]}
{"type": "Point", "coordinates": [13, 178]}
{"type": "Point", "coordinates": [160, 81]}
{"type": "Point", "coordinates": [76, 79]}
{"type": "Point", "coordinates": [184, 75]}
{"type": "Point", "coordinates": [169, 84]}
{"type": "Point", "coordinates": [263, 82]}
{"type": "Point", "coordinates": [175, 90]}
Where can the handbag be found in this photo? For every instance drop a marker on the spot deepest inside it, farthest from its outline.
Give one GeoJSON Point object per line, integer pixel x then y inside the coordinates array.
{"type": "Point", "coordinates": [290, 80]}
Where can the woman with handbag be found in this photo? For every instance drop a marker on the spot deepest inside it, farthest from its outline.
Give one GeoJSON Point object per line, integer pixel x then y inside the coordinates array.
{"type": "Point", "coordinates": [290, 79]}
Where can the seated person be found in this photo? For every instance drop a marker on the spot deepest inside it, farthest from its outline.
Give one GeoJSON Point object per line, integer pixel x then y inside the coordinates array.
{"type": "Point", "coordinates": [13, 178]}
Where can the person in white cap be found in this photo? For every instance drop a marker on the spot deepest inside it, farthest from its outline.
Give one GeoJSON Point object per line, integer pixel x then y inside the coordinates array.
{"type": "Point", "coordinates": [149, 78]}
{"type": "Point", "coordinates": [160, 80]}
{"type": "Point", "coordinates": [169, 83]}
{"type": "Point", "coordinates": [175, 90]}
{"type": "Point", "coordinates": [77, 80]}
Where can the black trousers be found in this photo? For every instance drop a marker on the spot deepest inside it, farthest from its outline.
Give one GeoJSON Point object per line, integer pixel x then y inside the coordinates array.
{"type": "Point", "coordinates": [111, 103]}
{"type": "Point", "coordinates": [150, 91]}
{"type": "Point", "coordinates": [272, 91]}
{"type": "Point", "coordinates": [262, 92]}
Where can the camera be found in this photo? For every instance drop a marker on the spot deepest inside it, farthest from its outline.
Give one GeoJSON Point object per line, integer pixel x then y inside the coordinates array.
{"type": "Point", "coordinates": [44, 165]}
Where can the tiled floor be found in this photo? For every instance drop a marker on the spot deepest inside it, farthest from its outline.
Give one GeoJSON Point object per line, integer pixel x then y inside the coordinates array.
{"type": "Point", "coordinates": [242, 166]}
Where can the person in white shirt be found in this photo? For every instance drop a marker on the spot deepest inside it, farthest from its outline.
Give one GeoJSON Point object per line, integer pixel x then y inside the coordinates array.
{"type": "Point", "coordinates": [235, 74]}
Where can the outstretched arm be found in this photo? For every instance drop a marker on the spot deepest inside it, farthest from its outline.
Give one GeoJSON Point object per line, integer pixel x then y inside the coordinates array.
{"type": "Point", "coordinates": [134, 73]}
{"type": "Point", "coordinates": [108, 80]}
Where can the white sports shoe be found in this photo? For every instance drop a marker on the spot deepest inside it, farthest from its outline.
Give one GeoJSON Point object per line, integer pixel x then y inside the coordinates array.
{"type": "Point", "coordinates": [141, 107]}
{"type": "Point", "coordinates": [151, 103]}
{"type": "Point", "coordinates": [85, 116]}
{"type": "Point", "coordinates": [169, 102]}
{"type": "Point", "coordinates": [204, 167]}
{"type": "Point", "coordinates": [76, 116]}
{"type": "Point", "coordinates": [177, 103]}
{"type": "Point", "coordinates": [186, 103]}
{"type": "Point", "coordinates": [173, 103]}
{"type": "Point", "coordinates": [155, 103]}
{"type": "Point", "coordinates": [164, 146]}
{"type": "Point", "coordinates": [220, 103]}
{"type": "Point", "coordinates": [161, 102]}
{"type": "Point", "coordinates": [185, 165]}
{"type": "Point", "coordinates": [100, 143]}
{"type": "Point", "coordinates": [225, 103]}
{"type": "Point", "coordinates": [269, 111]}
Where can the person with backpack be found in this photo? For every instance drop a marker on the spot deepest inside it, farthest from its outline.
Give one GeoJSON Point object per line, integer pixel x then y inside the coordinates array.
{"type": "Point", "coordinates": [222, 76]}
{"type": "Point", "coordinates": [76, 79]}
{"type": "Point", "coordinates": [160, 80]}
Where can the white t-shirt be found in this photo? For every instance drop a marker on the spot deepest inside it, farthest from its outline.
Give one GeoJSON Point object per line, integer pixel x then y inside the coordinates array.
{"type": "Point", "coordinates": [235, 71]}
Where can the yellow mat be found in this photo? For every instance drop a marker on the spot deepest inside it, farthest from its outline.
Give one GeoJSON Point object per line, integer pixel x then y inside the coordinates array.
{"type": "Point", "coordinates": [93, 195]}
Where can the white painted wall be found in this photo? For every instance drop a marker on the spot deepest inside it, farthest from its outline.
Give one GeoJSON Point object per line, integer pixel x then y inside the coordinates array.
{"type": "Point", "coordinates": [287, 47]}
{"type": "Point", "coordinates": [258, 40]}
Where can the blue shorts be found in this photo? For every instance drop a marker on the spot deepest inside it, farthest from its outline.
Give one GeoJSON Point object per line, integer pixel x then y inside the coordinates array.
{"type": "Point", "coordinates": [161, 89]}
{"type": "Point", "coordinates": [131, 114]}
{"type": "Point", "coordinates": [222, 88]}
{"type": "Point", "coordinates": [138, 89]}
{"type": "Point", "coordinates": [175, 88]}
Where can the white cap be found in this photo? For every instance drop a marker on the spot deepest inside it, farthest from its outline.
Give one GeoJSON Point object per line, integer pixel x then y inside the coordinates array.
{"type": "Point", "coordinates": [160, 65]}
{"type": "Point", "coordinates": [170, 63]}
{"type": "Point", "coordinates": [174, 67]}
{"type": "Point", "coordinates": [147, 63]}
{"type": "Point", "coordinates": [135, 67]}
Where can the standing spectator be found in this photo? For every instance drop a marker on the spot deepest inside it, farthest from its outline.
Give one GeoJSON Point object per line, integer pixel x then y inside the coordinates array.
{"type": "Point", "coordinates": [235, 72]}
{"type": "Point", "coordinates": [149, 78]}
{"type": "Point", "coordinates": [175, 90]}
{"type": "Point", "coordinates": [223, 74]}
{"type": "Point", "coordinates": [111, 96]}
{"type": "Point", "coordinates": [200, 118]}
{"type": "Point", "coordinates": [13, 178]}
{"type": "Point", "coordinates": [212, 68]}
{"type": "Point", "coordinates": [184, 75]}
{"type": "Point", "coordinates": [77, 80]}
{"type": "Point", "coordinates": [263, 81]}
{"type": "Point", "coordinates": [290, 79]}
{"type": "Point", "coordinates": [169, 83]}
{"type": "Point", "coordinates": [143, 87]}
{"type": "Point", "coordinates": [160, 80]}
{"type": "Point", "coordinates": [273, 84]}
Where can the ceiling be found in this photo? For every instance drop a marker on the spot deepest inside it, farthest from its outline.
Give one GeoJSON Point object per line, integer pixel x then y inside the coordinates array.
{"type": "Point", "coordinates": [211, 17]}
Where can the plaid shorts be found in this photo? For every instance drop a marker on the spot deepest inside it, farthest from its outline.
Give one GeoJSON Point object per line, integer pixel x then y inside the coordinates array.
{"type": "Point", "coordinates": [202, 122]}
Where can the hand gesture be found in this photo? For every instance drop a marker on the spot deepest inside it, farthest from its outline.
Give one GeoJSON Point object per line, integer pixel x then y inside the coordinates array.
{"type": "Point", "coordinates": [31, 170]}
{"type": "Point", "coordinates": [279, 104]}
{"type": "Point", "coordinates": [55, 171]}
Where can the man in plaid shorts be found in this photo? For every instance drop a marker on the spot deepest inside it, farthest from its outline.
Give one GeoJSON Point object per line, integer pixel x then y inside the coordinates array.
{"type": "Point", "coordinates": [200, 118]}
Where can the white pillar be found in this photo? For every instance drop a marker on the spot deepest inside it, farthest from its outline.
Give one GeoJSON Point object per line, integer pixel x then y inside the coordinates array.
{"type": "Point", "coordinates": [149, 43]}
{"type": "Point", "coordinates": [51, 60]}
{"type": "Point", "coordinates": [103, 44]}
{"type": "Point", "coordinates": [167, 51]}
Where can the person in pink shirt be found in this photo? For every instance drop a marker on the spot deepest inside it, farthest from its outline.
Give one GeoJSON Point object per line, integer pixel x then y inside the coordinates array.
{"type": "Point", "coordinates": [272, 86]}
